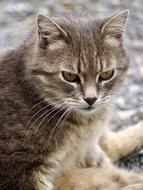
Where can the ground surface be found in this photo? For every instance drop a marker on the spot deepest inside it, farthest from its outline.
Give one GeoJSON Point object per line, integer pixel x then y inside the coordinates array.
{"type": "Point", "coordinates": [15, 22]}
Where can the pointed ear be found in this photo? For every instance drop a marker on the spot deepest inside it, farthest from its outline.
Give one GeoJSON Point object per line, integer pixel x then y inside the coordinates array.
{"type": "Point", "coordinates": [114, 27]}
{"type": "Point", "coordinates": [49, 31]}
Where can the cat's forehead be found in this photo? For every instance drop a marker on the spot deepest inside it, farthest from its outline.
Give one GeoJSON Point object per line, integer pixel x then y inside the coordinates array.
{"type": "Point", "coordinates": [84, 48]}
{"type": "Point", "coordinates": [89, 60]}
{"type": "Point", "coordinates": [83, 29]}
{"type": "Point", "coordinates": [82, 57]}
{"type": "Point", "coordinates": [84, 41]}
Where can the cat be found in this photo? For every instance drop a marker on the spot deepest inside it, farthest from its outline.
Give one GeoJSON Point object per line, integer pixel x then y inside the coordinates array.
{"type": "Point", "coordinates": [55, 93]}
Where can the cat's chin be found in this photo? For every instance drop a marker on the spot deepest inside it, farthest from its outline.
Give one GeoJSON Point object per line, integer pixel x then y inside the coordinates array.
{"type": "Point", "coordinates": [87, 110]}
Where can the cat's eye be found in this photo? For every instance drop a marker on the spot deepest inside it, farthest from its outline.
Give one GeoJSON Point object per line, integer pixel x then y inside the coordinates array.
{"type": "Point", "coordinates": [107, 75]}
{"type": "Point", "coordinates": [70, 77]}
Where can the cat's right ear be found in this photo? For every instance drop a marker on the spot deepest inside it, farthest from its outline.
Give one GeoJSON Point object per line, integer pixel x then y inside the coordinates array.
{"type": "Point", "coordinates": [50, 32]}
{"type": "Point", "coordinates": [114, 27]}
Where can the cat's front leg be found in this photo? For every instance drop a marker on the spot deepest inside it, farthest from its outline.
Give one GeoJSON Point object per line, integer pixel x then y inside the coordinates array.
{"type": "Point", "coordinates": [96, 157]}
{"type": "Point", "coordinates": [122, 143]}
{"type": "Point", "coordinates": [102, 178]}
{"type": "Point", "coordinates": [134, 187]}
{"type": "Point", "coordinates": [120, 177]}
{"type": "Point", "coordinates": [43, 181]}
{"type": "Point", "coordinates": [45, 177]}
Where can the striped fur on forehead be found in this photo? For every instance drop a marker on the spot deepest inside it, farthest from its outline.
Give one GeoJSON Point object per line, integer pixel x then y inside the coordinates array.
{"type": "Point", "coordinates": [84, 45]}
{"type": "Point", "coordinates": [85, 48]}
{"type": "Point", "coordinates": [87, 44]}
{"type": "Point", "coordinates": [87, 59]}
{"type": "Point", "coordinates": [83, 35]}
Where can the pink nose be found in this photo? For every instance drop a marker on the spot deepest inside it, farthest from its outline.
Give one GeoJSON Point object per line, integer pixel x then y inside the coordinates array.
{"type": "Point", "coordinates": [90, 101]}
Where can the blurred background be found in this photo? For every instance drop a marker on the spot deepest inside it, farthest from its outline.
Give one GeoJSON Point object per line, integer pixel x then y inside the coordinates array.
{"type": "Point", "coordinates": [18, 16]}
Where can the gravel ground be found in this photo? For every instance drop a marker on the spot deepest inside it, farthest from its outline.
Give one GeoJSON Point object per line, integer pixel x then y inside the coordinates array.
{"type": "Point", "coordinates": [17, 16]}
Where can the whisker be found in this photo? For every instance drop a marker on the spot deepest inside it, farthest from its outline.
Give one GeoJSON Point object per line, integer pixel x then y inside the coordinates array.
{"type": "Point", "coordinates": [50, 110]}
{"type": "Point", "coordinates": [74, 104]}
{"type": "Point", "coordinates": [55, 127]}
{"type": "Point", "coordinates": [60, 127]}
{"type": "Point", "coordinates": [62, 116]}
{"type": "Point", "coordinates": [48, 120]}
{"type": "Point", "coordinates": [49, 105]}
{"type": "Point", "coordinates": [44, 100]}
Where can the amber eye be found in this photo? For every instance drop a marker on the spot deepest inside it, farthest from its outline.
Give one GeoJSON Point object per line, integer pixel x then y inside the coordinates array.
{"type": "Point", "coordinates": [106, 75]}
{"type": "Point", "coordinates": [70, 77]}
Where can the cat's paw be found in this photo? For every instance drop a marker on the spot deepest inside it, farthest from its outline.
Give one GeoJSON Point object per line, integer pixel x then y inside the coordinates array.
{"type": "Point", "coordinates": [134, 187]}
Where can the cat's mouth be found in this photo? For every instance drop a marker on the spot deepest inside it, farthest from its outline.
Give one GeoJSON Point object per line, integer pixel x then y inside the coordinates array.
{"type": "Point", "coordinates": [89, 109]}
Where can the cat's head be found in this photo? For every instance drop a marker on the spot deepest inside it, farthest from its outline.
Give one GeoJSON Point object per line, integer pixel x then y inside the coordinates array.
{"type": "Point", "coordinates": [78, 62]}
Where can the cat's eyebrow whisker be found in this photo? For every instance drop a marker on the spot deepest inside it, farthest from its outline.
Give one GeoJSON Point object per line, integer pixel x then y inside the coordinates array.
{"type": "Point", "coordinates": [37, 130]}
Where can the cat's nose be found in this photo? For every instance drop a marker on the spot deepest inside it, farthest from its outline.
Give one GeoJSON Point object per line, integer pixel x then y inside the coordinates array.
{"type": "Point", "coordinates": [90, 101]}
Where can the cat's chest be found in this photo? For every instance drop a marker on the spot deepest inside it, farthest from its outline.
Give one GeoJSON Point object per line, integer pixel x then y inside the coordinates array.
{"type": "Point", "coordinates": [74, 152]}
{"type": "Point", "coordinates": [77, 149]}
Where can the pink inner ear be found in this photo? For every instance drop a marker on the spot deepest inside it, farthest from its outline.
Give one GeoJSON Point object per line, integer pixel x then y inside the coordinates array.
{"type": "Point", "coordinates": [118, 36]}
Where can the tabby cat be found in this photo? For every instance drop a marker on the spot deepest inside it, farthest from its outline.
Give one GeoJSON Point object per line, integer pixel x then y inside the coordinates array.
{"type": "Point", "coordinates": [55, 94]}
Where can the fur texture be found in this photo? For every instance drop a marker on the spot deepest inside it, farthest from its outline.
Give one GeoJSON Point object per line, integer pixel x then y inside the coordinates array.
{"type": "Point", "coordinates": [51, 137]}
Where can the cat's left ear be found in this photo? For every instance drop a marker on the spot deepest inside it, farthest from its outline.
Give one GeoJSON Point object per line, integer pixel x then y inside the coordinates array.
{"type": "Point", "coordinates": [49, 31]}
{"type": "Point", "coordinates": [114, 27]}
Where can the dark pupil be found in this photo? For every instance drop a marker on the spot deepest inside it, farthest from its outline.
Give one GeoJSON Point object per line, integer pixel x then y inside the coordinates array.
{"type": "Point", "coordinates": [108, 74]}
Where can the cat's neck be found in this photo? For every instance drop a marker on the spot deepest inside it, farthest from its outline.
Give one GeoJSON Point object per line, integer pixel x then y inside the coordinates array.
{"type": "Point", "coordinates": [87, 119]}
